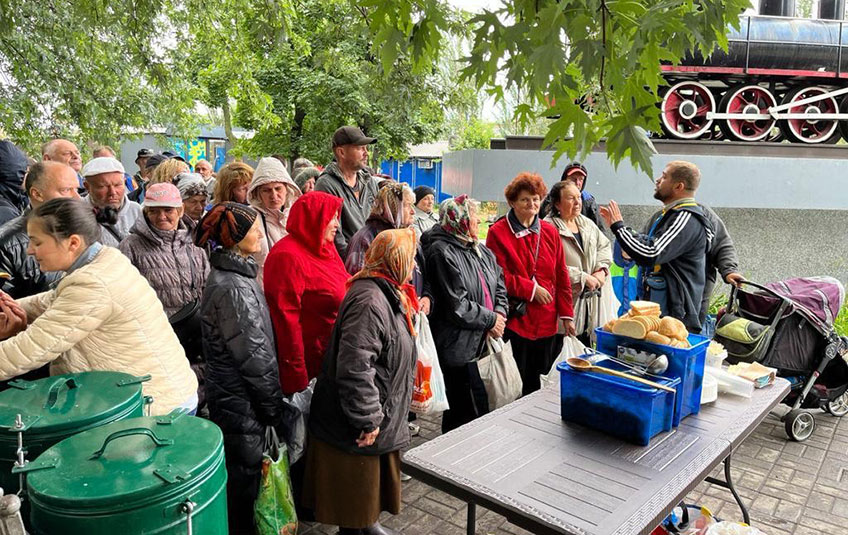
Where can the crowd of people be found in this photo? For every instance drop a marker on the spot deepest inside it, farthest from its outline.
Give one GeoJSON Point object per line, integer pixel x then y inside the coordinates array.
{"type": "Point", "coordinates": [235, 289]}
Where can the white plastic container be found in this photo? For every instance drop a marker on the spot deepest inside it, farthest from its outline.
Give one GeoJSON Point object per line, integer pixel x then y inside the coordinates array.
{"type": "Point", "coordinates": [709, 389]}
{"type": "Point", "coordinates": [729, 383]}
{"type": "Point", "coordinates": [716, 360]}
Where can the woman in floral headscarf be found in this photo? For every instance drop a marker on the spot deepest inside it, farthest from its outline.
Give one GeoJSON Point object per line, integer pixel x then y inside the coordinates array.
{"type": "Point", "coordinates": [393, 208]}
{"type": "Point", "coordinates": [357, 423]}
{"type": "Point", "coordinates": [470, 304]}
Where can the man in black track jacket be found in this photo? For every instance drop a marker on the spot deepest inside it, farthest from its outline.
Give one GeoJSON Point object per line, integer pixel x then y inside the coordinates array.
{"type": "Point", "coordinates": [672, 250]}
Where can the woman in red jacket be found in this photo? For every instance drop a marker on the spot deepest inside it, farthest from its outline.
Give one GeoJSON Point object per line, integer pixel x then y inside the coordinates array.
{"type": "Point", "coordinates": [530, 253]}
{"type": "Point", "coordinates": [304, 286]}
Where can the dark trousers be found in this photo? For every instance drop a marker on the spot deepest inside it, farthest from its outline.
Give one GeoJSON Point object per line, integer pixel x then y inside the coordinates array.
{"type": "Point", "coordinates": [533, 357]}
{"type": "Point", "coordinates": [466, 395]}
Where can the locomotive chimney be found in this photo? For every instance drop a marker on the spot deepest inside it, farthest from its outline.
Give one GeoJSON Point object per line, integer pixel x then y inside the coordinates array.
{"type": "Point", "coordinates": [778, 8]}
{"type": "Point", "coordinates": [832, 9]}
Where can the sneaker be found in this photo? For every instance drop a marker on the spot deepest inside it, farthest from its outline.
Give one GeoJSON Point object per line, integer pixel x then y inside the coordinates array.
{"type": "Point", "coordinates": [405, 477]}
{"type": "Point", "coordinates": [414, 429]}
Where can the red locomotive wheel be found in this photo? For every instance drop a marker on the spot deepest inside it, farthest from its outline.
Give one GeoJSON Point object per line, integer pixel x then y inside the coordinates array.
{"type": "Point", "coordinates": [812, 130]}
{"type": "Point", "coordinates": [684, 110]}
{"type": "Point", "coordinates": [749, 100]}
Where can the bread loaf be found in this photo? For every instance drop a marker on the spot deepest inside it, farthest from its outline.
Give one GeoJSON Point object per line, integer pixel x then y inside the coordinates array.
{"type": "Point", "coordinates": [608, 326]}
{"type": "Point", "coordinates": [630, 328]}
{"type": "Point", "coordinates": [644, 308]}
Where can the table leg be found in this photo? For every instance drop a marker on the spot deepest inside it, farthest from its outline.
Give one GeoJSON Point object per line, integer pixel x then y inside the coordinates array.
{"type": "Point", "coordinates": [471, 521]}
{"type": "Point", "coordinates": [728, 484]}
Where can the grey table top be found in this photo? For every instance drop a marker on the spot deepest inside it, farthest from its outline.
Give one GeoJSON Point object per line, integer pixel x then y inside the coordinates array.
{"type": "Point", "coordinates": [551, 476]}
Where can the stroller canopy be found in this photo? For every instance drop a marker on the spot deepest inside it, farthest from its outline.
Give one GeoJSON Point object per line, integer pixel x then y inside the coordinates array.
{"type": "Point", "coordinates": [820, 296]}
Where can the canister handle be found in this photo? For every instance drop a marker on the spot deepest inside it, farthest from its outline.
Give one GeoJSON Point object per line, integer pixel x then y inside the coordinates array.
{"type": "Point", "coordinates": [133, 431]}
{"type": "Point", "coordinates": [53, 393]}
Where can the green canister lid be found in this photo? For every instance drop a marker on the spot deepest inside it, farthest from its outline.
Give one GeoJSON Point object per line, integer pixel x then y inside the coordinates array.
{"type": "Point", "coordinates": [66, 404]}
{"type": "Point", "coordinates": [123, 465]}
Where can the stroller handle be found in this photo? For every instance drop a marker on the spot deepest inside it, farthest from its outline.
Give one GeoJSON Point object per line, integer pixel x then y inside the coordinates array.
{"type": "Point", "coordinates": [761, 287]}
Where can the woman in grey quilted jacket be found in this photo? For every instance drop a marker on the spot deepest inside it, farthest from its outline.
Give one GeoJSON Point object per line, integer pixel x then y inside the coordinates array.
{"type": "Point", "coordinates": [161, 248]}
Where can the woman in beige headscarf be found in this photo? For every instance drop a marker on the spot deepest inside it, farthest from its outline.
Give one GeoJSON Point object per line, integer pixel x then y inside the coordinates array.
{"type": "Point", "coordinates": [357, 422]}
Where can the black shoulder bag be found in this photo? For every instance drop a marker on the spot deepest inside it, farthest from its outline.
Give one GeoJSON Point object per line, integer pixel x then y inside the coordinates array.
{"type": "Point", "coordinates": [186, 323]}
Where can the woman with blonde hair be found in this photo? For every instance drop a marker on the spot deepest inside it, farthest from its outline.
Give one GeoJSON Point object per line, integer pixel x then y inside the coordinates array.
{"type": "Point", "coordinates": [232, 183]}
{"type": "Point", "coordinates": [167, 170]}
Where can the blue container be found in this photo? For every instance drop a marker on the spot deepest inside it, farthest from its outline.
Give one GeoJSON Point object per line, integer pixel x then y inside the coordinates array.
{"type": "Point", "coordinates": [685, 364]}
{"type": "Point", "coordinates": [616, 406]}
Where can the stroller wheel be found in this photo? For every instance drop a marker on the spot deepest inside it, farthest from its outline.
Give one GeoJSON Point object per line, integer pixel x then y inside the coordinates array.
{"type": "Point", "coordinates": [838, 406]}
{"type": "Point", "coordinates": [799, 425]}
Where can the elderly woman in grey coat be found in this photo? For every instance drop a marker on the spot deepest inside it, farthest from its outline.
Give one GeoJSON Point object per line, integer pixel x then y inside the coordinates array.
{"type": "Point", "coordinates": [588, 254]}
{"type": "Point", "coordinates": [161, 248]}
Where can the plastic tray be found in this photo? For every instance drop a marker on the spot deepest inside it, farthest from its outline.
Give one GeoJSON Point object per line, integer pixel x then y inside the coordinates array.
{"type": "Point", "coordinates": [684, 364]}
{"type": "Point", "coordinates": [615, 406]}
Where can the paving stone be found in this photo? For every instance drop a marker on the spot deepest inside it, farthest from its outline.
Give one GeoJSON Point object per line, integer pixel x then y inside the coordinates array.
{"type": "Point", "coordinates": [768, 454]}
{"type": "Point", "coordinates": [820, 501]}
{"type": "Point", "coordinates": [788, 511]}
{"type": "Point", "coordinates": [764, 504]}
{"type": "Point", "coordinates": [840, 508]}
{"type": "Point", "coordinates": [447, 499]}
{"type": "Point", "coordinates": [435, 508]}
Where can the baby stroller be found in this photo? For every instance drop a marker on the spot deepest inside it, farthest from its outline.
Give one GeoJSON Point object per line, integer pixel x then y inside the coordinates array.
{"type": "Point", "coordinates": [788, 325]}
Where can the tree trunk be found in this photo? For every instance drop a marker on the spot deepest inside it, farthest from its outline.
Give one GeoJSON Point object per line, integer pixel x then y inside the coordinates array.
{"type": "Point", "coordinates": [228, 125]}
{"type": "Point", "coordinates": [296, 133]}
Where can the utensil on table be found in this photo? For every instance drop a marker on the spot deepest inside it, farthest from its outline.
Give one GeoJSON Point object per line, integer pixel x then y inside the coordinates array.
{"type": "Point", "coordinates": [584, 365]}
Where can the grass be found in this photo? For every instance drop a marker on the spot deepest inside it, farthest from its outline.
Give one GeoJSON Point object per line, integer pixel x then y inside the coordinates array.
{"type": "Point", "coordinates": [841, 322]}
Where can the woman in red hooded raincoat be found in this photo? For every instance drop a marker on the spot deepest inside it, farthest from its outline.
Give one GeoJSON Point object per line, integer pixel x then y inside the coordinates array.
{"type": "Point", "coordinates": [304, 286]}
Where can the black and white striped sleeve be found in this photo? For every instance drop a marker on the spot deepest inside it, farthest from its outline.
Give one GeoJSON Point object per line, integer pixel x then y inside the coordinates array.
{"type": "Point", "coordinates": [673, 240]}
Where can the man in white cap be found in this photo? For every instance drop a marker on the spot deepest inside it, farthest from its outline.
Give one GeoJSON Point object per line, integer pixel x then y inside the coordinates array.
{"type": "Point", "coordinates": [104, 180]}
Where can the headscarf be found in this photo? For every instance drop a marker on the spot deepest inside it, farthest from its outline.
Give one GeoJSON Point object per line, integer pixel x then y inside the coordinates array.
{"type": "Point", "coordinates": [391, 257]}
{"type": "Point", "coordinates": [303, 175]}
{"type": "Point", "coordinates": [226, 224]}
{"type": "Point", "coordinates": [388, 205]}
{"type": "Point", "coordinates": [190, 184]}
{"type": "Point", "coordinates": [455, 219]}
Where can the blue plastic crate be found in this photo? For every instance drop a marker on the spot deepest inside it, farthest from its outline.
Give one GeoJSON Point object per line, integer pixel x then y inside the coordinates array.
{"type": "Point", "coordinates": [619, 407]}
{"type": "Point", "coordinates": [685, 364]}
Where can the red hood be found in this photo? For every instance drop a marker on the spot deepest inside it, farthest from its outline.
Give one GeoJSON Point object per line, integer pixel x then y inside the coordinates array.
{"type": "Point", "coordinates": [308, 218]}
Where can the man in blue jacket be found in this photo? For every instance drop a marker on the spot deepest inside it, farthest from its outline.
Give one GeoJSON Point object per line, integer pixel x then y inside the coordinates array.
{"type": "Point", "coordinates": [672, 251]}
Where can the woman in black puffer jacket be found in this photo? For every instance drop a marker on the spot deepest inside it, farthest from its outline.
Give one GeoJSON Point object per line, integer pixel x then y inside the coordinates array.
{"type": "Point", "coordinates": [243, 384]}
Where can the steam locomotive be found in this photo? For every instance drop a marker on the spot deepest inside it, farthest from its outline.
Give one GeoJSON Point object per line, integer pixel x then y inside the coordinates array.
{"type": "Point", "coordinates": [781, 78]}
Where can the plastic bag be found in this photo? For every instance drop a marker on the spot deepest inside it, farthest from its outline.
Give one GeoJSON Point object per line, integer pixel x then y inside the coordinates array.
{"type": "Point", "coordinates": [428, 394]}
{"type": "Point", "coordinates": [293, 421]}
{"type": "Point", "coordinates": [274, 509]}
{"type": "Point", "coordinates": [571, 347]}
{"type": "Point", "coordinates": [499, 373]}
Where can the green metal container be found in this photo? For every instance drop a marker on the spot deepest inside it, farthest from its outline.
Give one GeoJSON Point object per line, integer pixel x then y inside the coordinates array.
{"type": "Point", "coordinates": [44, 412]}
{"type": "Point", "coordinates": [163, 475]}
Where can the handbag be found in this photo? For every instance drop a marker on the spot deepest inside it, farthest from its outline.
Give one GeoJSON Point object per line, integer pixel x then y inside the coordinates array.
{"type": "Point", "coordinates": [744, 340]}
{"type": "Point", "coordinates": [499, 374]}
{"type": "Point", "coordinates": [518, 307]}
{"type": "Point", "coordinates": [186, 324]}
{"type": "Point", "coordinates": [274, 510]}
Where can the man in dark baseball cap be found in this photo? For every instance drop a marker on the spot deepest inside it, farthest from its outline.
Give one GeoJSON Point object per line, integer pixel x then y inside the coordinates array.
{"type": "Point", "coordinates": [348, 177]}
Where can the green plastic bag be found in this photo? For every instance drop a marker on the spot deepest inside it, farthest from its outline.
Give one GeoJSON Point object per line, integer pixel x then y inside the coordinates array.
{"type": "Point", "coordinates": [274, 509]}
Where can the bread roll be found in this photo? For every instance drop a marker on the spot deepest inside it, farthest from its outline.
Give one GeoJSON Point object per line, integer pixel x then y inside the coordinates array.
{"type": "Point", "coordinates": [673, 328]}
{"type": "Point", "coordinates": [630, 328]}
{"type": "Point", "coordinates": [657, 338]}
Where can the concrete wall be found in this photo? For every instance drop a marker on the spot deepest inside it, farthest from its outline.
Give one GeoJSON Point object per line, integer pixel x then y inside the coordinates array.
{"type": "Point", "coordinates": [787, 216]}
{"type": "Point", "coordinates": [129, 150]}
